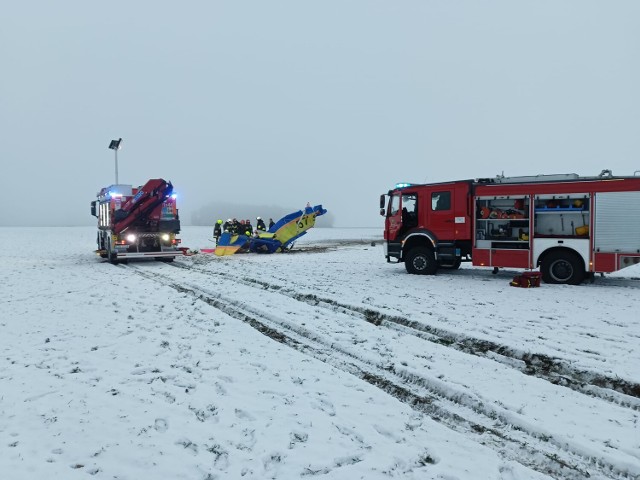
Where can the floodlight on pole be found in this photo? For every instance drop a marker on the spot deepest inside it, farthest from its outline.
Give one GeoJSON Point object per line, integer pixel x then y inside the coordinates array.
{"type": "Point", "coordinates": [115, 146]}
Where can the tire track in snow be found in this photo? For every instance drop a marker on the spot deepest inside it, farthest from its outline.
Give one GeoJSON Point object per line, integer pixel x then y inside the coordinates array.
{"type": "Point", "coordinates": [457, 410]}
{"type": "Point", "coordinates": [554, 370]}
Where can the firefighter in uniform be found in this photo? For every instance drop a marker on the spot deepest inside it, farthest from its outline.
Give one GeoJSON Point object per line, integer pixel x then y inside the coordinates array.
{"type": "Point", "coordinates": [217, 231]}
{"type": "Point", "coordinates": [248, 228]}
{"type": "Point", "coordinates": [260, 226]}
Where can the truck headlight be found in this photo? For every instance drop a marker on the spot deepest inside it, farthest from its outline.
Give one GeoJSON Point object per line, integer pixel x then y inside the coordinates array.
{"type": "Point", "coordinates": [165, 237]}
{"type": "Point", "coordinates": [131, 238]}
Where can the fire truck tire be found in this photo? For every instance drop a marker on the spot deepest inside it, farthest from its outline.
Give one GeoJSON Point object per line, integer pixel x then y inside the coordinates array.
{"type": "Point", "coordinates": [101, 246]}
{"type": "Point", "coordinates": [165, 259]}
{"type": "Point", "coordinates": [562, 268]}
{"type": "Point", "coordinates": [421, 261]}
{"type": "Point", "coordinates": [111, 255]}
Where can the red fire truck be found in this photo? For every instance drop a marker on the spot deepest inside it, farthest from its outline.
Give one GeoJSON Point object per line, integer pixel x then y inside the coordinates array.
{"type": "Point", "coordinates": [567, 225]}
{"type": "Point", "coordinates": [137, 222]}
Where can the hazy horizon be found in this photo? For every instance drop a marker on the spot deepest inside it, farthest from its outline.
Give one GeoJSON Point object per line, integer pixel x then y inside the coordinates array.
{"type": "Point", "coordinates": [284, 102]}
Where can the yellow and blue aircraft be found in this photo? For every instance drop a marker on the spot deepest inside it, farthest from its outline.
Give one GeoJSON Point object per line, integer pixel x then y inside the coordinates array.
{"type": "Point", "coordinates": [277, 239]}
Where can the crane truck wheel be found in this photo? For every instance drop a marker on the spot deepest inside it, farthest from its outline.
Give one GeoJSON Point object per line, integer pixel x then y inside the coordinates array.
{"type": "Point", "coordinates": [562, 268]}
{"type": "Point", "coordinates": [101, 246]}
{"type": "Point", "coordinates": [111, 255]}
{"type": "Point", "coordinates": [421, 261]}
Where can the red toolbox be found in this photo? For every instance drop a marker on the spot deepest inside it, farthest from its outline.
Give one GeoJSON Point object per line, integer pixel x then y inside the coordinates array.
{"type": "Point", "coordinates": [527, 280]}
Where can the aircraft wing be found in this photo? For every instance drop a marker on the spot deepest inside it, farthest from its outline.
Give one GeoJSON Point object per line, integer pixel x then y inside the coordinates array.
{"type": "Point", "coordinates": [229, 244]}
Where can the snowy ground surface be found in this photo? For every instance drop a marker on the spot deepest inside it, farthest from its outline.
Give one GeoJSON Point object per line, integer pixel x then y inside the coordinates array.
{"type": "Point", "coordinates": [322, 363]}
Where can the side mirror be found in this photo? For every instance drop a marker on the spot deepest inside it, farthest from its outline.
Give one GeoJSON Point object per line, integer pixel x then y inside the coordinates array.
{"type": "Point", "coordinates": [382, 212]}
{"type": "Point", "coordinates": [382, 201]}
{"type": "Point", "coordinates": [93, 209]}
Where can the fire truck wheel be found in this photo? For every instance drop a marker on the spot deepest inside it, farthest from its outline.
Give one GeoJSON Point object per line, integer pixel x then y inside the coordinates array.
{"type": "Point", "coordinates": [102, 247]}
{"type": "Point", "coordinates": [421, 261]}
{"type": "Point", "coordinates": [562, 267]}
{"type": "Point", "coordinates": [111, 255]}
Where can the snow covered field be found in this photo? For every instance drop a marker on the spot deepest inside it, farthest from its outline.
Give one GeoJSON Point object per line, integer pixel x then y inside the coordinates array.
{"type": "Point", "coordinates": [325, 362]}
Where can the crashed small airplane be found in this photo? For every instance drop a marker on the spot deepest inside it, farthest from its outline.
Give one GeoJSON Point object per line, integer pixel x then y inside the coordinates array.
{"type": "Point", "coordinates": [278, 238]}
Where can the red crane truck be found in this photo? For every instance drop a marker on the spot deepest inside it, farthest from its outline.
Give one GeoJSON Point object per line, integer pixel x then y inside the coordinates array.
{"type": "Point", "coordinates": [137, 222]}
{"type": "Point", "coordinates": [569, 226]}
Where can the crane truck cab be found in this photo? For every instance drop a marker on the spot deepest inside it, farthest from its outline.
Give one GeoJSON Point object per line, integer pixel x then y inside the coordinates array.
{"type": "Point", "coordinates": [138, 222]}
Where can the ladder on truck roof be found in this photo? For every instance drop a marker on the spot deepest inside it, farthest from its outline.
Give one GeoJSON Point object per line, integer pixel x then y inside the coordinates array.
{"type": "Point", "coordinates": [560, 177]}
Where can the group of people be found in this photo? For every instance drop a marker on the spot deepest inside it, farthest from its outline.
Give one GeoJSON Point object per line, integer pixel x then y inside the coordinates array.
{"type": "Point", "coordinates": [239, 227]}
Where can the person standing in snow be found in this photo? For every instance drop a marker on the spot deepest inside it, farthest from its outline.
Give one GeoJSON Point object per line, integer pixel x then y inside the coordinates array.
{"type": "Point", "coordinates": [260, 226]}
{"type": "Point", "coordinates": [217, 231]}
{"type": "Point", "coordinates": [248, 228]}
{"type": "Point", "coordinates": [271, 223]}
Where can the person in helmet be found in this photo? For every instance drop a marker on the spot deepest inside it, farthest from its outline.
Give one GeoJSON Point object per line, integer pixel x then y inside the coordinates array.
{"type": "Point", "coordinates": [227, 225]}
{"type": "Point", "coordinates": [260, 226]}
{"type": "Point", "coordinates": [217, 231]}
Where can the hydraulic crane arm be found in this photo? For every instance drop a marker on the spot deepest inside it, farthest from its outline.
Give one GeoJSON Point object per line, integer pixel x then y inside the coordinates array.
{"type": "Point", "coordinates": [148, 198]}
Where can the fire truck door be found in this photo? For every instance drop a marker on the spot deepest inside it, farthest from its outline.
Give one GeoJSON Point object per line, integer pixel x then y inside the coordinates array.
{"type": "Point", "coordinates": [442, 219]}
{"type": "Point", "coordinates": [394, 216]}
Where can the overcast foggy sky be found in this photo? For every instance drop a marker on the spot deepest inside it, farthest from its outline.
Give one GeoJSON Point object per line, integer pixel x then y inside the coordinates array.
{"type": "Point", "coordinates": [284, 102]}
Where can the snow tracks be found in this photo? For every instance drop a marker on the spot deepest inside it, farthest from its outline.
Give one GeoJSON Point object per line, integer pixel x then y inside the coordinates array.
{"type": "Point", "coordinates": [528, 407]}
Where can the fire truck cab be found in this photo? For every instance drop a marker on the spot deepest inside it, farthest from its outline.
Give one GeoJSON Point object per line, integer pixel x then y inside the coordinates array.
{"type": "Point", "coordinates": [428, 226]}
{"type": "Point", "coordinates": [568, 226]}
